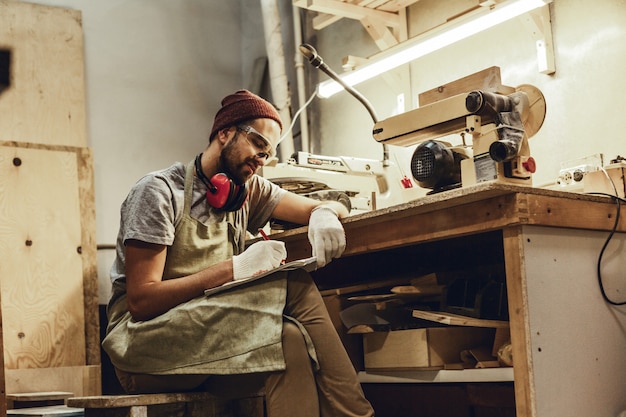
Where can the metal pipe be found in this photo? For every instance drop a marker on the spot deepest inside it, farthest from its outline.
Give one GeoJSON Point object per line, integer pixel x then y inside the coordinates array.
{"type": "Point", "coordinates": [278, 76]}
{"type": "Point", "coordinates": [299, 65]}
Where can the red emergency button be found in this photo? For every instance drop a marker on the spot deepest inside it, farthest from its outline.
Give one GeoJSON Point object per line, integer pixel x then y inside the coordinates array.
{"type": "Point", "coordinates": [530, 165]}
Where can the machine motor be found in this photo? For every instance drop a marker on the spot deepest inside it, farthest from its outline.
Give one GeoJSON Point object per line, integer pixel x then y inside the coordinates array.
{"type": "Point", "coordinates": [436, 165]}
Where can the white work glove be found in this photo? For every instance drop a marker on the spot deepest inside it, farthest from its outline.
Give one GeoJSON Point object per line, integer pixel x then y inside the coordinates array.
{"type": "Point", "coordinates": [259, 257]}
{"type": "Point", "coordinates": [326, 235]}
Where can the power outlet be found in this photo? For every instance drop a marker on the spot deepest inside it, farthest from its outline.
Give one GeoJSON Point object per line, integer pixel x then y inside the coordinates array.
{"type": "Point", "coordinates": [573, 172]}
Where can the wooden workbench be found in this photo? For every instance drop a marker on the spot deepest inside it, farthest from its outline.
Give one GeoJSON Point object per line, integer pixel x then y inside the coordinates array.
{"type": "Point", "coordinates": [569, 344]}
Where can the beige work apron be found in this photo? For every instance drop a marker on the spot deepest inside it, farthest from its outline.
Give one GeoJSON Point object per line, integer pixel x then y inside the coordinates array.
{"type": "Point", "coordinates": [233, 332]}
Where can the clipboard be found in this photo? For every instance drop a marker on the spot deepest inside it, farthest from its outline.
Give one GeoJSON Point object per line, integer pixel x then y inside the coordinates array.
{"type": "Point", "coordinates": [308, 264]}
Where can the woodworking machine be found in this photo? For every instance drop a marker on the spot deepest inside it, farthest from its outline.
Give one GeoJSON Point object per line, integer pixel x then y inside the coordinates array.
{"type": "Point", "coordinates": [368, 184]}
{"type": "Point", "coordinates": [499, 126]}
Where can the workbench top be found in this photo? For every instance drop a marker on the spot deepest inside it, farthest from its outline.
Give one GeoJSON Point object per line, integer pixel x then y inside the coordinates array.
{"type": "Point", "coordinates": [461, 211]}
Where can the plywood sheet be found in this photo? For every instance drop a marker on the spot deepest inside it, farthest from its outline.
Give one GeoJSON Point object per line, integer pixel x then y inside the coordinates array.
{"type": "Point", "coordinates": [41, 273]}
{"type": "Point", "coordinates": [486, 80]}
{"type": "Point", "coordinates": [574, 334]}
{"type": "Point", "coordinates": [79, 380]}
{"type": "Point", "coordinates": [46, 101]}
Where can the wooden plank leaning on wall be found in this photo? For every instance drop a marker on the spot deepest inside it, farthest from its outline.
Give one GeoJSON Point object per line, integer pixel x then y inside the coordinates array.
{"type": "Point", "coordinates": [43, 119]}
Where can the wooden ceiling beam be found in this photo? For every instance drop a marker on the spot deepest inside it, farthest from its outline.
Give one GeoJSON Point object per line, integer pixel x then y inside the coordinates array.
{"type": "Point", "coordinates": [380, 33]}
{"type": "Point", "coordinates": [395, 5]}
{"type": "Point", "coordinates": [351, 11]}
{"type": "Point", "coordinates": [323, 19]}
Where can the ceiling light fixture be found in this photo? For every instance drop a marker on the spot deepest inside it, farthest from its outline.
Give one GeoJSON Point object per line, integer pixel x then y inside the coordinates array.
{"type": "Point", "coordinates": [433, 40]}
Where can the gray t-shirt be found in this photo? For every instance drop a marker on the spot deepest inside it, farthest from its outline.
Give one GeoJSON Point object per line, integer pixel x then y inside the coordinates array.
{"type": "Point", "coordinates": [154, 206]}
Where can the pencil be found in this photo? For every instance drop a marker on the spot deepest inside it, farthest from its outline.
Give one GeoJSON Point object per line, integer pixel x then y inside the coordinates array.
{"type": "Point", "coordinates": [265, 236]}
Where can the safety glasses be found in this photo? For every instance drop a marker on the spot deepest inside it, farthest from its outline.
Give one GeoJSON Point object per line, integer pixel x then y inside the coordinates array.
{"type": "Point", "coordinates": [258, 141]}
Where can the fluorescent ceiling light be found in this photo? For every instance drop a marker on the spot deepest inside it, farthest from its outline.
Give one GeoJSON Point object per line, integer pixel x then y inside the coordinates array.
{"type": "Point", "coordinates": [433, 40]}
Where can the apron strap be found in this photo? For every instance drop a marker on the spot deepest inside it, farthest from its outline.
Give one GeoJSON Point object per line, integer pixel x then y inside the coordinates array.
{"type": "Point", "coordinates": [188, 187]}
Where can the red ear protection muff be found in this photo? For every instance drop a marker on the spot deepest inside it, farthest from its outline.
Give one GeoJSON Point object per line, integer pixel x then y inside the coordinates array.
{"type": "Point", "coordinates": [223, 193]}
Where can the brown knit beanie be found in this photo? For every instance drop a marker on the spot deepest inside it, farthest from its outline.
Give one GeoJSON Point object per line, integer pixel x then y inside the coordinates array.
{"type": "Point", "coordinates": [241, 106]}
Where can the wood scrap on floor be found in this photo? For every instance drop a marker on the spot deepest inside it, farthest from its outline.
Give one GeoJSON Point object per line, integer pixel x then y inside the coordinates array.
{"type": "Point", "coordinates": [388, 305]}
{"type": "Point", "coordinates": [458, 320]}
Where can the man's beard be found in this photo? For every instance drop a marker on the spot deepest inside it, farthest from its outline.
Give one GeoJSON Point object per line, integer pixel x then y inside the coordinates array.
{"type": "Point", "coordinates": [227, 156]}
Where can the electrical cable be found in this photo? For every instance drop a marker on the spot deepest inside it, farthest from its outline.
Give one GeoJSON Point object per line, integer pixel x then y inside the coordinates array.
{"type": "Point", "coordinates": [606, 243]}
{"type": "Point", "coordinates": [314, 59]}
{"type": "Point", "coordinates": [618, 201]}
{"type": "Point", "coordinates": [295, 116]}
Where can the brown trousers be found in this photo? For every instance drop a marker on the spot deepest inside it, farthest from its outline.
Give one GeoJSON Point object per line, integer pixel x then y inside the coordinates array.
{"type": "Point", "coordinates": [332, 391]}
